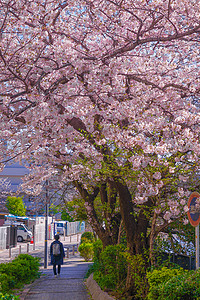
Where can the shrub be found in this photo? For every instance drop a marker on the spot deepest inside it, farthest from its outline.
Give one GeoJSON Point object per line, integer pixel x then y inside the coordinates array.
{"type": "Point", "coordinates": [30, 264]}
{"type": "Point", "coordinates": [112, 267]}
{"type": "Point", "coordinates": [8, 297]}
{"type": "Point", "coordinates": [17, 275]}
{"type": "Point", "coordinates": [7, 282]}
{"type": "Point", "coordinates": [159, 278]}
{"type": "Point", "coordinates": [97, 248]}
{"type": "Point", "coordinates": [185, 286]}
{"type": "Point", "coordinates": [86, 251]}
{"type": "Point", "coordinates": [20, 271]}
{"type": "Point", "coordinates": [97, 265]}
{"type": "Point", "coordinates": [87, 236]}
{"type": "Point", "coordinates": [137, 264]}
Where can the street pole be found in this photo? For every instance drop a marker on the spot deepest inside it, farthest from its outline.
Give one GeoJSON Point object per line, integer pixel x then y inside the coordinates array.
{"type": "Point", "coordinates": [46, 227]}
{"type": "Point", "coordinates": [197, 245]}
{"type": "Point", "coordinates": [194, 218]}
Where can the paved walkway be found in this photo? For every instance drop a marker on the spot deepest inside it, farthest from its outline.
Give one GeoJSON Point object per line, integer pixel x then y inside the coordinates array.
{"type": "Point", "coordinates": [70, 285]}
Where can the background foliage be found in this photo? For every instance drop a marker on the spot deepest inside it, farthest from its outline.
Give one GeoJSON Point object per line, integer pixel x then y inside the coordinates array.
{"type": "Point", "coordinates": [15, 206]}
{"type": "Point", "coordinates": [22, 270]}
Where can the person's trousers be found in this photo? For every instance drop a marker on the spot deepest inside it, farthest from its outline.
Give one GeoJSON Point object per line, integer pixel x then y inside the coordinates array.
{"type": "Point", "coordinates": [54, 269]}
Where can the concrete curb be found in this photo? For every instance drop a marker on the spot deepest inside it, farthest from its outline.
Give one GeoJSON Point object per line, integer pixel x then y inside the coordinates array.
{"type": "Point", "coordinates": [95, 291]}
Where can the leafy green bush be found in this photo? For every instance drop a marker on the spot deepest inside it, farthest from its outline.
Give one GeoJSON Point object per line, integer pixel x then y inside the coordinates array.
{"type": "Point", "coordinates": [20, 271]}
{"type": "Point", "coordinates": [185, 286]}
{"type": "Point", "coordinates": [8, 297]}
{"type": "Point", "coordinates": [158, 280]}
{"type": "Point", "coordinates": [7, 282]}
{"type": "Point", "coordinates": [112, 267]}
{"type": "Point", "coordinates": [86, 251]}
{"type": "Point", "coordinates": [97, 248]}
{"type": "Point", "coordinates": [137, 269]}
{"type": "Point", "coordinates": [87, 237]}
{"type": "Point", "coordinates": [30, 264]}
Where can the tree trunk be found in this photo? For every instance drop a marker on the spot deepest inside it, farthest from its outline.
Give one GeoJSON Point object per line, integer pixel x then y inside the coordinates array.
{"type": "Point", "coordinates": [127, 213]}
{"type": "Point", "coordinates": [120, 232]}
{"type": "Point", "coordinates": [112, 219]}
{"type": "Point", "coordinates": [136, 231]}
{"type": "Point", "coordinates": [151, 240]}
{"type": "Point", "coordinates": [104, 234]}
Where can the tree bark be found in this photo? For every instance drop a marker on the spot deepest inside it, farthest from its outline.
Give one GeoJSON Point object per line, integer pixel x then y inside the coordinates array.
{"type": "Point", "coordinates": [127, 213]}
{"type": "Point", "coordinates": [106, 234]}
{"type": "Point", "coordinates": [135, 225]}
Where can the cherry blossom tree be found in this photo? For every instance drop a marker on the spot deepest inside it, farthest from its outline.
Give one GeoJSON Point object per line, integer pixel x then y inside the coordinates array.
{"type": "Point", "coordinates": [105, 92]}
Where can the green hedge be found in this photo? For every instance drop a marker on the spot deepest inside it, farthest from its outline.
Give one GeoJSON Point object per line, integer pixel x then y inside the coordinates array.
{"type": "Point", "coordinates": [111, 268]}
{"type": "Point", "coordinates": [8, 297]}
{"type": "Point", "coordinates": [87, 237]}
{"type": "Point", "coordinates": [138, 266]}
{"type": "Point", "coordinates": [168, 282]}
{"type": "Point", "coordinates": [174, 284]}
{"type": "Point", "coordinates": [86, 251]}
{"type": "Point", "coordinates": [182, 287]}
{"type": "Point", "coordinates": [22, 270]}
{"type": "Point", "coordinates": [97, 249]}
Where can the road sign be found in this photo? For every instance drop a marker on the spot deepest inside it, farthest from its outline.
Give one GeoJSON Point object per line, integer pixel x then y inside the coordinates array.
{"type": "Point", "coordinates": [193, 212]}
{"type": "Point", "coordinates": [194, 218]}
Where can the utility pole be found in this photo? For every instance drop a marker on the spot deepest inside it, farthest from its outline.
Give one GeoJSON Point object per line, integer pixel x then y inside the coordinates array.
{"type": "Point", "coordinates": [46, 226]}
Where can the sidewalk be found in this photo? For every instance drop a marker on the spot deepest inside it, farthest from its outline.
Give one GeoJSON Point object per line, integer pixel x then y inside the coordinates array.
{"type": "Point", "coordinates": [69, 286]}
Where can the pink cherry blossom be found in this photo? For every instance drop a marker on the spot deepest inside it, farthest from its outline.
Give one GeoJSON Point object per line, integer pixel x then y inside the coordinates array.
{"type": "Point", "coordinates": [96, 92]}
{"type": "Point", "coordinates": [157, 175]}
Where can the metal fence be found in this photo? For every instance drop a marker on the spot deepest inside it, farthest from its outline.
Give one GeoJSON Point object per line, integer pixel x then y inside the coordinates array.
{"type": "Point", "coordinates": [74, 227]}
{"type": "Point", "coordinates": [184, 261]}
{"type": "Point", "coordinates": [71, 228]}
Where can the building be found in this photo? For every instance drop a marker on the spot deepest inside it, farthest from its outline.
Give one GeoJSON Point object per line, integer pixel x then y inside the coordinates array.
{"type": "Point", "coordinates": [14, 174]}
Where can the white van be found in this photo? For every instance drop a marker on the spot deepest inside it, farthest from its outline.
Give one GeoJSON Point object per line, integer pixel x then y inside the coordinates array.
{"type": "Point", "coordinates": [23, 234]}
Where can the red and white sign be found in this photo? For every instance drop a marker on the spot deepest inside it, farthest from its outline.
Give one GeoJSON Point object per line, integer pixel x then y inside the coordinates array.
{"type": "Point", "coordinates": [194, 211]}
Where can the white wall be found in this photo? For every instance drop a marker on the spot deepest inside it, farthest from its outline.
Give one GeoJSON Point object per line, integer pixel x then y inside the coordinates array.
{"type": "Point", "coordinates": [40, 229]}
{"type": "Point", "coordinates": [3, 236]}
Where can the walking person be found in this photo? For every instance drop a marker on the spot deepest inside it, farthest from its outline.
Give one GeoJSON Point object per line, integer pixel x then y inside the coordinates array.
{"type": "Point", "coordinates": [57, 254]}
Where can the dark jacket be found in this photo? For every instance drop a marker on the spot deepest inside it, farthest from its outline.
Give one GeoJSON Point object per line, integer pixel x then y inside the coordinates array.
{"type": "Point", "coordinates": [58, 260]}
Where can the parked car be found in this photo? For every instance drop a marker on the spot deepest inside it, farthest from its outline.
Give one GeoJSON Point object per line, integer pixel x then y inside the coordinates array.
{"type": "Point", "coordinates": [23, 233]}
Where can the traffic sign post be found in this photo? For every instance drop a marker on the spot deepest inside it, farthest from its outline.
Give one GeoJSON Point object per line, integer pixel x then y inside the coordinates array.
{"type": "Point", "coordinates": [197, 245]}
{"type": "Point", "coordinates": [194, 218]}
